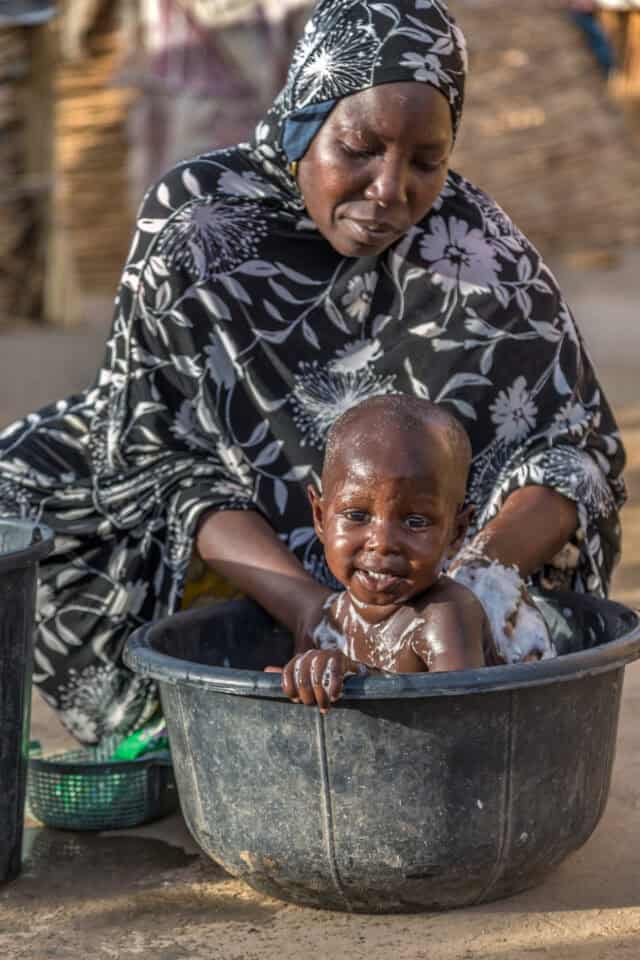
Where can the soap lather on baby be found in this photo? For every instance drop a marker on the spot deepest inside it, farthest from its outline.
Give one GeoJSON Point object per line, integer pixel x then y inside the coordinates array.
{"type": "Point", "coordinates": [391, 516]}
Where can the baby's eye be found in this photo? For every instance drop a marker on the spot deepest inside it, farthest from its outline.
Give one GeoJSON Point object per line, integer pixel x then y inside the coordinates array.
{"type": "Point", "coordinates": [417, 522]}
{"type": "Point", "coordinates": [356, 516]}
{"type": "Point", "coordinates": [428, 166]}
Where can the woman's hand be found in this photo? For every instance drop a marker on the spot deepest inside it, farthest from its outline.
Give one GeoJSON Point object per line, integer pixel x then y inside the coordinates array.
{"type": "Point", "coordinates": [534, 523]}
{"type": "Point", "coordinates": [520, 633]}
{"type": "Point", "coordinates": [315, 678]}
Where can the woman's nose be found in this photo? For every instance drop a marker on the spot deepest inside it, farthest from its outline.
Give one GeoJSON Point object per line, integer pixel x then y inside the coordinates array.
{"type": "Point", "coordinates": [389, 187]}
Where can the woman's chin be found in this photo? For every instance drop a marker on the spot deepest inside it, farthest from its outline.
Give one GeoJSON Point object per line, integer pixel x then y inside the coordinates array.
{"type": "Point", "coordinates": [347, 245]}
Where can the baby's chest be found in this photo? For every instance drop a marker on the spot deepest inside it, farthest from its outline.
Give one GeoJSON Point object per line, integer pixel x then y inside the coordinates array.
{"type": "Point", "coordinates": [391, 647]}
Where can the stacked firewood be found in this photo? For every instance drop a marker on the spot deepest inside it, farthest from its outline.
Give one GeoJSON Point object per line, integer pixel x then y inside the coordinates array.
{"type": "Point", "coordinates": [623, 28]}
{"type": "Point", "coordinates": [93, 205]}
{"type": "Point", "coordinates": [540, 132]}
{"type": "Point", "coordinates": [20, 277]}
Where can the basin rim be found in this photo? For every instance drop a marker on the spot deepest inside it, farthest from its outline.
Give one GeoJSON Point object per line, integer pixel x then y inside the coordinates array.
{"type": "Point", "coordinates": [142, 658]}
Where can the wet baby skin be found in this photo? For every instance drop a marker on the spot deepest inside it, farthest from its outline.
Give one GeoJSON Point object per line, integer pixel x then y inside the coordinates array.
{"type": "Point", "coordinates": [390, 515]}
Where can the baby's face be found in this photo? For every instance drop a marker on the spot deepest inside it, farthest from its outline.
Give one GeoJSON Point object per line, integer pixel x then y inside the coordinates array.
{"type": "Point", "coordinates": [387, 520]}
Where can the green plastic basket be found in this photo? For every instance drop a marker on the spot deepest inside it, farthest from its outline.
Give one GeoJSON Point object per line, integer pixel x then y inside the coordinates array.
{"type": "Point", "coordinates": [83, 790]}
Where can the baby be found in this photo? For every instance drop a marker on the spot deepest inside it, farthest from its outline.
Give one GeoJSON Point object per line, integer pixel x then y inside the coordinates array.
{"type": "Point", "coordinates": [390, 515]}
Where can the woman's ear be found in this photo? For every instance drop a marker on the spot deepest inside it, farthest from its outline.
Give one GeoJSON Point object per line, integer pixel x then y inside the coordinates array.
{"type": "Point", "coordinates": [315, 499]}
{"type": "Point", "coordinates": [463, 518]}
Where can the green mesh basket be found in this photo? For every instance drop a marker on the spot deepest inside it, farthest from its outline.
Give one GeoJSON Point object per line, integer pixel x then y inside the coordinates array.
{"type": "Point", "coordinates": [83, 790]}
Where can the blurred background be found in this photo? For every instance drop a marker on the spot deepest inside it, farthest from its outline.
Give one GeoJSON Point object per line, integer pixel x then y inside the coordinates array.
{"type": "Point", "coordinates": [99, 97]}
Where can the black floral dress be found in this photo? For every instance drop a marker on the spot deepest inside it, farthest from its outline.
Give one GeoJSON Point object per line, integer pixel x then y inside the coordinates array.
{"type": "Point", "coordinates": [240, 335]}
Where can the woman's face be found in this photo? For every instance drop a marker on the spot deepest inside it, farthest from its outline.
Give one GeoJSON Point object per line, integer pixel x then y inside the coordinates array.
{"type": "Point", "coordinates": [377, 165]}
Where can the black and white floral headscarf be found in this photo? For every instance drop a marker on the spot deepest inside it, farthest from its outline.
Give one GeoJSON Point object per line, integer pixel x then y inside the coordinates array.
{"type": "Point", "coordinates": [350, 45]}
{"type": "Point", "coordinates": [240, 335]}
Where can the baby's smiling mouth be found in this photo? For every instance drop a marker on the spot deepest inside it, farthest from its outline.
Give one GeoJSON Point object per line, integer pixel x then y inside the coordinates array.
{"type": "Point", "coordinates": [378, 581]}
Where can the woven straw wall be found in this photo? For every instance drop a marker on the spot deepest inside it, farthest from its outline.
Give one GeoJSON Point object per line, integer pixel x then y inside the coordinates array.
{"type": "Point", "coordinates": [541, 133]}
{"type": "Point", "coordinates": [25, 174]}
{"type": "Point", "coordinates": [92, 203]}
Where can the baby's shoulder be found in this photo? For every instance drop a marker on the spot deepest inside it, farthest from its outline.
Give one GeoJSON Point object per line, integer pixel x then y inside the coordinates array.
{"type": "Point", "coordinates": [453, 632]}
{"type": "Point", "coordinates": [448, 591]}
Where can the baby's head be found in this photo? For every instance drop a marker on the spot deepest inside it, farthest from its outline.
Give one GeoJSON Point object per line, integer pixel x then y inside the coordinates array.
{"type": "Point", "coordinates": [393, 487]}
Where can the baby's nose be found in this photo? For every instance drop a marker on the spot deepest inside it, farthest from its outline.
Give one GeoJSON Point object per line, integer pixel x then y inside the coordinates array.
{"type": "Point", "coordinates": [383, 537]}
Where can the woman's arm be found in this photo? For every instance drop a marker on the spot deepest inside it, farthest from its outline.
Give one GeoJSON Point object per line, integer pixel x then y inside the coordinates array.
{"type": "Point", "coordinates": [532, 526]}
{"type": "Point", "coordinates": [241, 546]}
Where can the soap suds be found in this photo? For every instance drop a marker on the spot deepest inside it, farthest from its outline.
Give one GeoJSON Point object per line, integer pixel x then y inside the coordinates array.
{"type": "Point", "coordinates": [519, 629]}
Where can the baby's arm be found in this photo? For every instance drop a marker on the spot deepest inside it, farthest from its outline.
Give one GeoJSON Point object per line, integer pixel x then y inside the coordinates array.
{"type": "Point", "coordinates": [453, 635]}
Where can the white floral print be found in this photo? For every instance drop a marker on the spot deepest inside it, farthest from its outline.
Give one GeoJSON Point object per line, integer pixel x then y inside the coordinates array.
{"type": "Point", "coordinates": [212, 237]}
{"type": "Point", "coordinates": [45, 601]}
{"type": "Point", "coordinates": [247, 184]}
{"type": "Point", "coordinates": [571, 418]}
{"type": "Point", "coordinates": [345, 59]}
{"type": "Point", "coordinates": [514, 412]}
{"type": "Point", "coordinates": [460, 256]}
{"type": "Point", "coordinates": [322, 394]}
{"type": "Point", "coordinates": [577, 474]}
{"type": "Point", "coordinates": [235, 462]}
{"type": "Point", "coordinates": [90, 706]}
{"type": "Point", "coordinates": [426, 67]}
{"type": "Point", "coordinates": [356, 355]}
{"type": "Point", "coordinates": [359, 295]}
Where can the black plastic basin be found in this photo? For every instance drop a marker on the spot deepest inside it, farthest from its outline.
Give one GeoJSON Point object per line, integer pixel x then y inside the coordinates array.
{"type": "Point", "coordinates": [418, 791]}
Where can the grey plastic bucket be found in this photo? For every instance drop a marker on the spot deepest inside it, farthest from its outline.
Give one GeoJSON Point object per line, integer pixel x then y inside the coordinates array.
{"type": "Point", "coordinates": [22, 546]}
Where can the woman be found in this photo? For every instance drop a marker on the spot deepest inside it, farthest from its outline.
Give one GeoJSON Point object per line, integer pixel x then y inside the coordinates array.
{"type": "Point", "coordinates": [268, 288]}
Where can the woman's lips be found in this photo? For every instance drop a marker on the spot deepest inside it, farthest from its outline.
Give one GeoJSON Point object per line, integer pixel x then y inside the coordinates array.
{"type": "Point", "coordinates": [370, 233]}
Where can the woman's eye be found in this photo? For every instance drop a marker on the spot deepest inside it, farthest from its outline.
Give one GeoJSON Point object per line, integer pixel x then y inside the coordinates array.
{"type": "Point", "coordinates": [355, 516]}
{"type": "Point", "coordinates": [357, 152]}
{"type": "Point", "coordinates": [416, 522]}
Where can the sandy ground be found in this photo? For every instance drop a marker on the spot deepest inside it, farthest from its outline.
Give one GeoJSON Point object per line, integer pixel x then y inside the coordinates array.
{"type": "Point", "coordinates": [149, 893]}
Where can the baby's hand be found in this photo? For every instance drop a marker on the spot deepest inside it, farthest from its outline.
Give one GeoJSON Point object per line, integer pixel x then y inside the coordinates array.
{"type": "Point", "coordinates": [315, 678]}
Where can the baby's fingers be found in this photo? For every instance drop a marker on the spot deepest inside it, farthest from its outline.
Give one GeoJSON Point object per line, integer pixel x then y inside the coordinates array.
{"type": "Point", "coordinates": [327, 678]}
{"type": "Point", "coordinates": [288, 680]}
{"type": "Point", "coordinates": [296, 679]}
{"type": "Point", "coordinates": [333, 679]}
{"type": "Point", "coordinates": [318, 670]}
{"type": "Point", "coordinates": [314, 679]}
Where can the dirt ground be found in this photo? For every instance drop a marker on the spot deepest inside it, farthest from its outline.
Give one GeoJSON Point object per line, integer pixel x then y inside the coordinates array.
{"type": "Point", "coordinates": [149, 893]}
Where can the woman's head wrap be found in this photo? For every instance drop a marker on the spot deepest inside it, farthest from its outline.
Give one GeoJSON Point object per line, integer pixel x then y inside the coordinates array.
{"type": "Point", "coordinates": [351, 45]}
